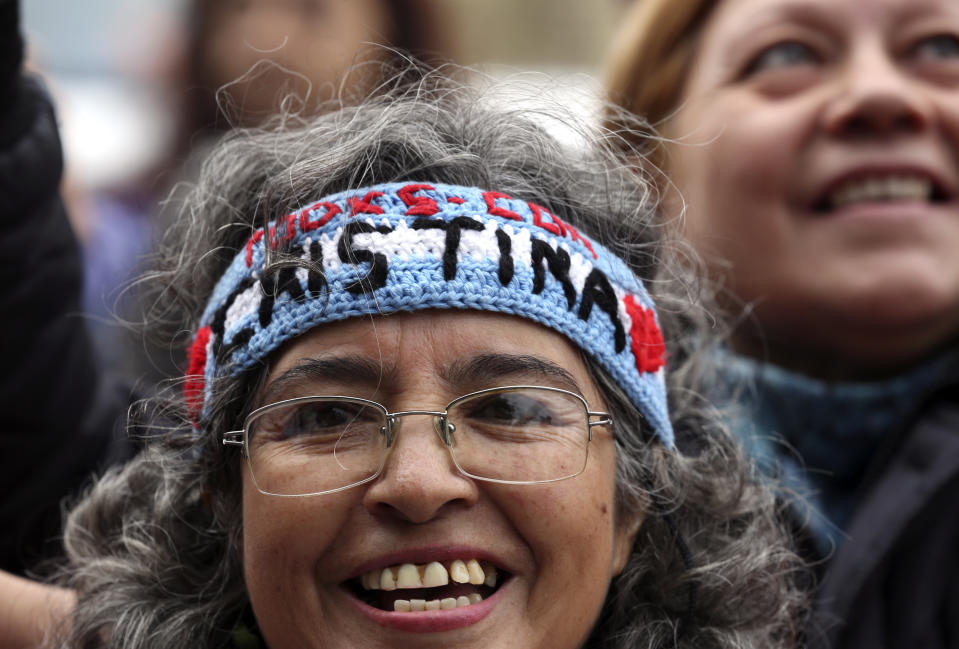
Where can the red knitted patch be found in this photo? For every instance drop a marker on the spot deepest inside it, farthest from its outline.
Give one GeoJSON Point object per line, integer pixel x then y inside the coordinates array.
{"type": "Point", "coordinates": [490, 198]}
{"type": "Point", "coordinates": [647, 340]}
{"type": "Point", "coordinates": [418, 205]}
{"type": "Point", "coordinates": [574, 235]}
{"type": "Point", "coordinates": [555, 227]}
{"type": "Point", "coordinates": [290, 226]}
{"type": "Point", "coordinates": [194, 381]}
{"type": "Point", "coordinates": [365, 205]}
{"type": "Point", "coordinates": [306, 225]}
{"type": "Point", "coordinates": [249, 246]}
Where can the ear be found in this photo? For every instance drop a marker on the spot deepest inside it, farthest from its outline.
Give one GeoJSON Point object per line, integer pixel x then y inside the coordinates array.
{"type": "Point", "coordinates": [624, 537]}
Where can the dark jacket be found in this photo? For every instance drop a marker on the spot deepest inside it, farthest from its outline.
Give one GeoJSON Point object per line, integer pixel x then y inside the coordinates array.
{"type": "Point", "coordinates": [59, 413]}
{"type": "Point", "coordinates": [895, 581]}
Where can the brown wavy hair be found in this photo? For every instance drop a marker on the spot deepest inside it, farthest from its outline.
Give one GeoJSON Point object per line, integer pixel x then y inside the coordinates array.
{"type": "Point", "coordinates": [649, 63]}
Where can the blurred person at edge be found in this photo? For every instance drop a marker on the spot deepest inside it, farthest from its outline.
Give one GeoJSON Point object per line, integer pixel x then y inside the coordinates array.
{"type": "Point", "coordinates": [813, 150]}
{"type": "Point", "coordinates": [58, 412]}
{"type": "Point", "coordinates": [239, 59]}
{"type": "Point", "coordinates": [327, 45]}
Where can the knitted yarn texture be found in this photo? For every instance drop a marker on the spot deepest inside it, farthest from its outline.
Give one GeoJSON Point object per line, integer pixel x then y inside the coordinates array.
{"type": "Point", "coordinates": [411, 246]}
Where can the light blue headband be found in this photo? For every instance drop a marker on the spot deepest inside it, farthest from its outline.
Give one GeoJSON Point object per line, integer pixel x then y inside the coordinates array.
{"type": "Point", "coordinates": [411, 246]}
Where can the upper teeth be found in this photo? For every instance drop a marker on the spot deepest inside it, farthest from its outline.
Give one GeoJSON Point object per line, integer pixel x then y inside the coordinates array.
{"type": "Point", "coordinates": [881, 189]}
{"type": "Point", "coordinates": [430, 575]}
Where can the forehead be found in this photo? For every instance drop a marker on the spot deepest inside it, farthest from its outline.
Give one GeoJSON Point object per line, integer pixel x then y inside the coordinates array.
{"type": "Point", "coordinates": [735, 28]}
{"type": "Point", "coordinates": [433, 340]}
{"type": "Point", "coordinates": [743, 15]}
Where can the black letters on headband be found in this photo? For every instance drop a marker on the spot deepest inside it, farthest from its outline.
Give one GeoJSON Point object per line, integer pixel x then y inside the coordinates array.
{"type": "Point", "coordinates": [558, 263]}
{"type": "Point", "coordinates": [379, 267]}
{"type": "Point", "coordinates": [598, 290]}
{"type": "Point", "coordinates": [453, 228]}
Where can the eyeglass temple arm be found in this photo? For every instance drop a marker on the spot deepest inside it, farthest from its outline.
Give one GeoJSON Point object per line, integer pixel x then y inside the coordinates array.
{"type": "Point", "coordinates": [606, 420]}
{"type": "Point", "coordinates": [233, 438]}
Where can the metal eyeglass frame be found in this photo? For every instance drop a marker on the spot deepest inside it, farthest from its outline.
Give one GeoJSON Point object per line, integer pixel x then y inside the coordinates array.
{"type": "Point", "coordinates": [441, 425]}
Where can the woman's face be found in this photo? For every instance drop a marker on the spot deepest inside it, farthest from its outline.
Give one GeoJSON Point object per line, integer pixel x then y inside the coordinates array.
{"type": "Point", "coordinates": [314, 43]}
{"type": "Point", "coordinates": [820, 166]}
{"type": "Point", "coordinates": [555, 546]}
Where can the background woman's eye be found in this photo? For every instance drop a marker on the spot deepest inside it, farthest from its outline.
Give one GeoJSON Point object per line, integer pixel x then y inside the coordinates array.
{"type": "Point", "coordinates": [939, 46]}
{"type": "Point", "coordinates": [787, 53]}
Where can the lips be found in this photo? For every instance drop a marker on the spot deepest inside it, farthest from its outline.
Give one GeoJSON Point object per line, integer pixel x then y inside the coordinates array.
{"type": "Point", "coordinates": [881, 187]}
{"type": "Point", "coordinates": [432, 586]}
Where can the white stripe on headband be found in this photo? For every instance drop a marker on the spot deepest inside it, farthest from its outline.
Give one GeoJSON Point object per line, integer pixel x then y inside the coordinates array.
{"type": "Point", "coordinates": [412, 246]}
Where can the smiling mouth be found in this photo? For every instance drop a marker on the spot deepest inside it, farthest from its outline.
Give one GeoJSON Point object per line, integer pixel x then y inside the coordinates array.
{"type": "Point", "coordinates": [881, 188]}
{"type": "Point", "coordinates": [433, 586]}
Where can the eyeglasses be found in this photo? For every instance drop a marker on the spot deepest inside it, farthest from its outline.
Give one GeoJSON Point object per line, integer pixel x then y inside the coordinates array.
{"type": "Point", "coordinates": [514, 435]}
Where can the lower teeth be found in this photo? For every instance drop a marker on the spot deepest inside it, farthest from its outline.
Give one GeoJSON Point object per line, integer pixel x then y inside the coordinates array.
{"type": "Point", "coordinates": [445, 604]}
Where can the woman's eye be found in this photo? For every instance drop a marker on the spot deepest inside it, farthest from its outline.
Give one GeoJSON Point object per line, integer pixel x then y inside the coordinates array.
{"type": "Point", "coordinates": [939, 46]}
{"type": "Point", "coordinates": [781, 55]}
{"type": "Point", "coordinates": [326, 419]}
{"type": "Point", "coordinates": [511, 409]}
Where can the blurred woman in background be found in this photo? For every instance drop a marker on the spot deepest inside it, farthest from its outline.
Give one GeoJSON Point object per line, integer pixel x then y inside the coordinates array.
{"type": "Point", "coordinates": [813, 149]}
{"type": "Point", "coordinates": [236, 63]}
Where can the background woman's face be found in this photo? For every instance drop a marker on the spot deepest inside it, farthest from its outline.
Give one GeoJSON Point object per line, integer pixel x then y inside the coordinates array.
{"type": "Point", "coordinates": [316, 39]}
{"type": "Point", "coordinates": [554, 545]}
{"type": "Point", "coordinates": [821, 161]}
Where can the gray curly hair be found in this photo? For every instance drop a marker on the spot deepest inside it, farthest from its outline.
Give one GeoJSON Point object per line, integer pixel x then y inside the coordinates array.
{"type": "Point", "coordinates": [154, 549]}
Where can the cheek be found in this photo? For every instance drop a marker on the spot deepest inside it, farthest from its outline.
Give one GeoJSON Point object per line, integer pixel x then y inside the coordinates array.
{"type": "Point", "coordinates": [737, 179]}
{"type": "Point", "coordinates": [283, 540]}
{"type": "Point", "coordinates": [569, 525]}
{"type": "Point", "coordinates": [261, 551]}
{"type": "Point", "coordinates": [948, 103]}
{"type": "Point", "coordinates": [267, 542]}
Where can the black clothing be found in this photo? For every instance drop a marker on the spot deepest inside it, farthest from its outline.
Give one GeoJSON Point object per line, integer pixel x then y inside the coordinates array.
{"type": "Point", "coordinates": [59, 412]}
{"type": "Point", "coordinates": [895, 581]}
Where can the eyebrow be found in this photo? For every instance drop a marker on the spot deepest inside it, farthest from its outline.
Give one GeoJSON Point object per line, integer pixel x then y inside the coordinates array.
{"type": "Point", "coordinates": [801, 11]}
{"type": "Point", "coordinates": [355, 370]}
{"type": "Point", "coordinates": [493, 367]}
{"type": "Point", "coordinates": [347, 370]}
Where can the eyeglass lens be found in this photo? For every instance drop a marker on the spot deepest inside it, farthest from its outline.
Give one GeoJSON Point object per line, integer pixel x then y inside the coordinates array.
{"type": "Point", "coordinates": [520, 435]}
{"type": "Point", "coordinates": [328, 443]}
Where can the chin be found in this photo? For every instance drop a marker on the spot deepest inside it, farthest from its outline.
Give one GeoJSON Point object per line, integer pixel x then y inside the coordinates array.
{"type": "Point", "coordinates": [901, 302]}
{"type": "Point", "coordinates": [855, 334]}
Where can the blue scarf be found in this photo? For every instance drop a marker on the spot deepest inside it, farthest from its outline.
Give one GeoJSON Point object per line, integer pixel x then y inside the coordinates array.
{"type": "Point", "coordinates": [816, 437]}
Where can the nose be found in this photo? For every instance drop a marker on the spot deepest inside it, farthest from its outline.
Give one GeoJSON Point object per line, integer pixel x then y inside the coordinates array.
{"type": "Point", "coordinates": [876, 96]}
{"type": "Point", "coordinates": [419, 480]}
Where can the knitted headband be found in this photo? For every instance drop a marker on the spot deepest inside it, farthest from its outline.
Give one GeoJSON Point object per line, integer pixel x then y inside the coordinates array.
{"type": "Point", "coordinates": [410, 246]}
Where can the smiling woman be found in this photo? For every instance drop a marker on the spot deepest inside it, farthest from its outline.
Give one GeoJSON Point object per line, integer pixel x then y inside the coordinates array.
{"type": "Point", "coordinates": [427, 407]}
{"type": "Point", "coordinates": [815, 158]}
